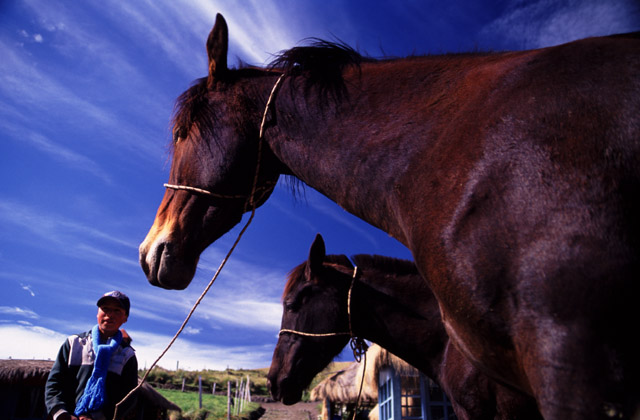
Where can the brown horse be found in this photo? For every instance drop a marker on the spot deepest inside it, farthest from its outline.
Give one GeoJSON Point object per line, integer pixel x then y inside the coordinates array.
{"type": "Point", "coordinates": [390, 306]}
{"type": "Point", "coordinates": [512, 177]}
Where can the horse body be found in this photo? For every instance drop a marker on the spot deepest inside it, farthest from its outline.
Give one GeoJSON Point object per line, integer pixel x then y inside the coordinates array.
{"type": "Point", "coordinates": [519, 216]}
{"type": "Point", "coordinates": [390, 306]}
{"type": "Point", "coordinates": [511, 177]}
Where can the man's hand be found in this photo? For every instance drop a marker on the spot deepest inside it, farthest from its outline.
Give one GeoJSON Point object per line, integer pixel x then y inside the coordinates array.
{"type": "Point", "coordinates": [66, 416]}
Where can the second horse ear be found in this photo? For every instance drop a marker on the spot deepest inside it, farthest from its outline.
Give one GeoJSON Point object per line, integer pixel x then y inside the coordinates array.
{"type": "Point", "coordinates": [317, 254]}
{"type": "Point", "coordinates": [217, 48]}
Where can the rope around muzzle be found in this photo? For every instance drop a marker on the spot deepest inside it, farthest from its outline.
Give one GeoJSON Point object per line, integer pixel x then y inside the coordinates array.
{"type": "Point", "coordinates": [250, 203]}
{"type": "Point", "coordinates": [358, 345]}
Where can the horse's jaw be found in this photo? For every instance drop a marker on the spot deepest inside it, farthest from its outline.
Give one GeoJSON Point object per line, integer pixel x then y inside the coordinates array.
{"type": "Point", "coordinates": [169, 254]}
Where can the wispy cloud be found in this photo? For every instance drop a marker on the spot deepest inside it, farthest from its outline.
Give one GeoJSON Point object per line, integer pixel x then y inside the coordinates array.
{"type": "Point", "coordinates": [191, 330]}
{"type": "Point", "coordinates": [52, 227]}
{"type": "Point", "coordinates": [545, 23]}
{"type": "Point", "coordinates": [193, 355]}
{"type": "Point", "coordinates": [16, 311]}
{"type": "Point", "coordinates": [28, 288]}
{"type": "Point", "coordinates": [230, 306]}
{"type": "Point", "coordinates": [54, 149]}
{"type": "Point", "coordinates": [35, 342]}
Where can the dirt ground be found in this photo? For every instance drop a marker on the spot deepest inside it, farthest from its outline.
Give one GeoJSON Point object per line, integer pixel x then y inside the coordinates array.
{"type": "Point", "coordinates": [299, 411]}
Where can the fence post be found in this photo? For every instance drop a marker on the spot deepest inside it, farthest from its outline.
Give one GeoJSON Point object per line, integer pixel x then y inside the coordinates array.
{"type": "Point", "coordinates": [228, 400]}
{"type": "Point", "coordinates": [199, 391]}
{"type": "Point", "coordinates": [236, 400]}
{"type": "Point", "coordinates": [213, 391]}
{"type": "Point", "coordinates": [183, 380]}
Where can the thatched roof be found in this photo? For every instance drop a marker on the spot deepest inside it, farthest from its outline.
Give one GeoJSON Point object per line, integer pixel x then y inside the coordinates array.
{"type": "Point", "coordinates": [377, 358]}
{"type": "Point", "coordinates": [343, 386]}
{"type": "Point", "coordinates": [24, 372]}
{"type": "Point", "coordinates": [35, 373]}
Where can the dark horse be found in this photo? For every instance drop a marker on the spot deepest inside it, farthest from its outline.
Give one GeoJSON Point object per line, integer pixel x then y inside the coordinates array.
{"type": "Point", "coordinates": [390, 306]}
{"type": "Point", "coordinates": [512, 177]}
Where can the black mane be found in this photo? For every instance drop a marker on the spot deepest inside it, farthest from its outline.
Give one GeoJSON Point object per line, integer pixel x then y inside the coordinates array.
{"type": "Point", "coordinates": [322, 63]}
{"type": "Point", "coordinates": [319, 58]}
{"type": "Point", "coordinates": [385, 264]}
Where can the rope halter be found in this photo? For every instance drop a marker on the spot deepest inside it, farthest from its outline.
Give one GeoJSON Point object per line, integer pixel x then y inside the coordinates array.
{"type": "Point", "coordinates": [254, 188]}
{"type": "Point", "coordinates": [358, 345]}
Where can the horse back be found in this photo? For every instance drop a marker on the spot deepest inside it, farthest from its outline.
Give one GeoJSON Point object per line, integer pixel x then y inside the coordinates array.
{"type": "Point", "coordinates": [531, 188]}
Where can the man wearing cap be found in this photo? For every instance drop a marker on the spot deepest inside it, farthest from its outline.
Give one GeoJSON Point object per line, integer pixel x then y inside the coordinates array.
{"type": "Point", "coordinates": [96, 369]}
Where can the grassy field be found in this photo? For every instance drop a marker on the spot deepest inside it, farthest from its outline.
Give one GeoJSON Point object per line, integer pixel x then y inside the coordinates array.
{"type": "Point", "coordinates": [161, 378]}
{"type": "Point", "coordinates": [214, 407]}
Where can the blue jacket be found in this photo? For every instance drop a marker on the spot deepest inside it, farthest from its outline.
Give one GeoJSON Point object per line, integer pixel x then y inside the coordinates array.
{"type": "Point", "coordinates": [72, 369]}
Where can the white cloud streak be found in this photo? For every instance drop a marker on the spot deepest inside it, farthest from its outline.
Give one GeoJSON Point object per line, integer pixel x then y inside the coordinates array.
{"type": "Point", "coordinates": [16, 311]}
{"type": "Point", "coordinates": [544, 23]}
{"type": "Point", "coordinates": [35, 342]}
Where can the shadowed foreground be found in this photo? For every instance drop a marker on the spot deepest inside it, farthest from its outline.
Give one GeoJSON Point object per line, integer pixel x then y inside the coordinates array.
{"type": "Point", "coordinates": [299, 411]}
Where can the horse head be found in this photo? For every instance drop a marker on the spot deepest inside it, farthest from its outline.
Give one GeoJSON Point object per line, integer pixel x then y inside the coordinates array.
{"type": "Point", "coordinates": [315, 308]}
{"type": "Point", "coordinates": [219, 170]}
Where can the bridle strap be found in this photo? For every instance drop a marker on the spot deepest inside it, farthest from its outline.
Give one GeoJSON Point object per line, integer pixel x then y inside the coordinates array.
{"type": "Point", "coordinates": [358, 345]}
{"type": "Point", "coordinates": [224, 261]}
{"type": "Point", "coordinates": [215, 195]}
{"type": "Point", "coordinates": [306, 334]}
{"type": "Point", "coordinates": [254, 187]}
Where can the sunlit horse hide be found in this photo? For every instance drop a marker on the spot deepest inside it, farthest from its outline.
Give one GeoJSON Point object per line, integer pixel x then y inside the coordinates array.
{"type": "Point", "coordinates": [512, 177]}
{"type": "Point", "coordinates": [388, 304]}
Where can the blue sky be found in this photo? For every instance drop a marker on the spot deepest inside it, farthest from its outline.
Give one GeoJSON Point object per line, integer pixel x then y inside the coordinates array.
{"type": "Point", "coordinates": [86, 94]}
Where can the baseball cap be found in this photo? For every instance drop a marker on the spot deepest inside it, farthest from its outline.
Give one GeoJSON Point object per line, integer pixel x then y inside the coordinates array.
{"type": "Point", "coordinates": [118, 297]}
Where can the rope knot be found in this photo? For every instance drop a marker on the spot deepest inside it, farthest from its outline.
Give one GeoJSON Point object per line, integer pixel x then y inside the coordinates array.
{"type": "Point", "coordinates": [359, 348]}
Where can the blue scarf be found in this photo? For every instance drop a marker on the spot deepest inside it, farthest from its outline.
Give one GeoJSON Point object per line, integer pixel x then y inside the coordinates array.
{"type": "Point", "coordinates": [94, 394]}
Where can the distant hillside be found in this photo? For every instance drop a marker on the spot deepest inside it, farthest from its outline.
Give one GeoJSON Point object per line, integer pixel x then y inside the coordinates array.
{"type": "Point", "coordinates": [173, 379]}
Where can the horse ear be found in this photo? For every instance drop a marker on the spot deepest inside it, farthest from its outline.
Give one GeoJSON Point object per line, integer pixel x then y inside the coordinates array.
{"type": "Point", "coordinates": [317, 255]}
{"type": "Point", "coordinates": [217, 47]}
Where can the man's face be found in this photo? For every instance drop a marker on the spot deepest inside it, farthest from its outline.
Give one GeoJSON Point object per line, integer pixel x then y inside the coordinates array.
{"type": "Point", "coordinates": [110, 318]}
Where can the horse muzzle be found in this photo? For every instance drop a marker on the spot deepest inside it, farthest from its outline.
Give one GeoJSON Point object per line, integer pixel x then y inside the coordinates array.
{"type": "Point", "coordinates": [164, 268]}
{"type": "Point", "coordinates": [285, 390]}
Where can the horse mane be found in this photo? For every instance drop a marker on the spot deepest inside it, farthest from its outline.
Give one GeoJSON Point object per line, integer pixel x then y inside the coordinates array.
{"type": "Point", "coordinates": [385, 264]}
{"type": "Point", "coordinates": [296, 275]}
{"type": "Point", "coordinates": [191, 106]}
{"type": "Point", "coordinates": [364, 261]}
{"type": "Point", "coordinates": [321, 63]}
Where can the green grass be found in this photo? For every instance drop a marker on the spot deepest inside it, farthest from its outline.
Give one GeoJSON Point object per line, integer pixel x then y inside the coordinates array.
{"type": "Point", "coordinates": [213, 406]}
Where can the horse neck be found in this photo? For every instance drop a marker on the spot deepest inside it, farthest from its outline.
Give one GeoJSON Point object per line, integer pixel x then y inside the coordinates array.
{"type": "Point", "coordinates": [401, 315]}
{"type": "Point", "coordinates": [339, 148]}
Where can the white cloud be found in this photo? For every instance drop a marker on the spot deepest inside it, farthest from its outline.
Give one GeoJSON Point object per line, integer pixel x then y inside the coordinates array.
{"type": "Point", "coordinates": [29, 342]}
{"type": "Point", "coordinates": [192, 331]}
{"type": "Point", "coordinates": [192, 355]}
{"type": "Point", "coordinates": [34, 342]}
{"type": "Point", "coordinates": [545, 23]}
{"type": "Point", "coordinates": [53, 227]}
{"type": "Point", "coordinates": [14, 310]}
{"type": "Point", "coordinates": [244, 313]}
{"type": "Point", "coordinates": [27, 287]}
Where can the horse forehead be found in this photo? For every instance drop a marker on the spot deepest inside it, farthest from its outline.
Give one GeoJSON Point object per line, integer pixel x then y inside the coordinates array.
{"type": "Point", "coordinates": [335, 270]}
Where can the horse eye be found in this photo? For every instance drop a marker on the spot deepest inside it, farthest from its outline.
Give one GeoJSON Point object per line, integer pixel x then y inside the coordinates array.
{"type": "Point", "coordinates": [290, 306]}
{"type": "Point", "coordinates": [179, 133]}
